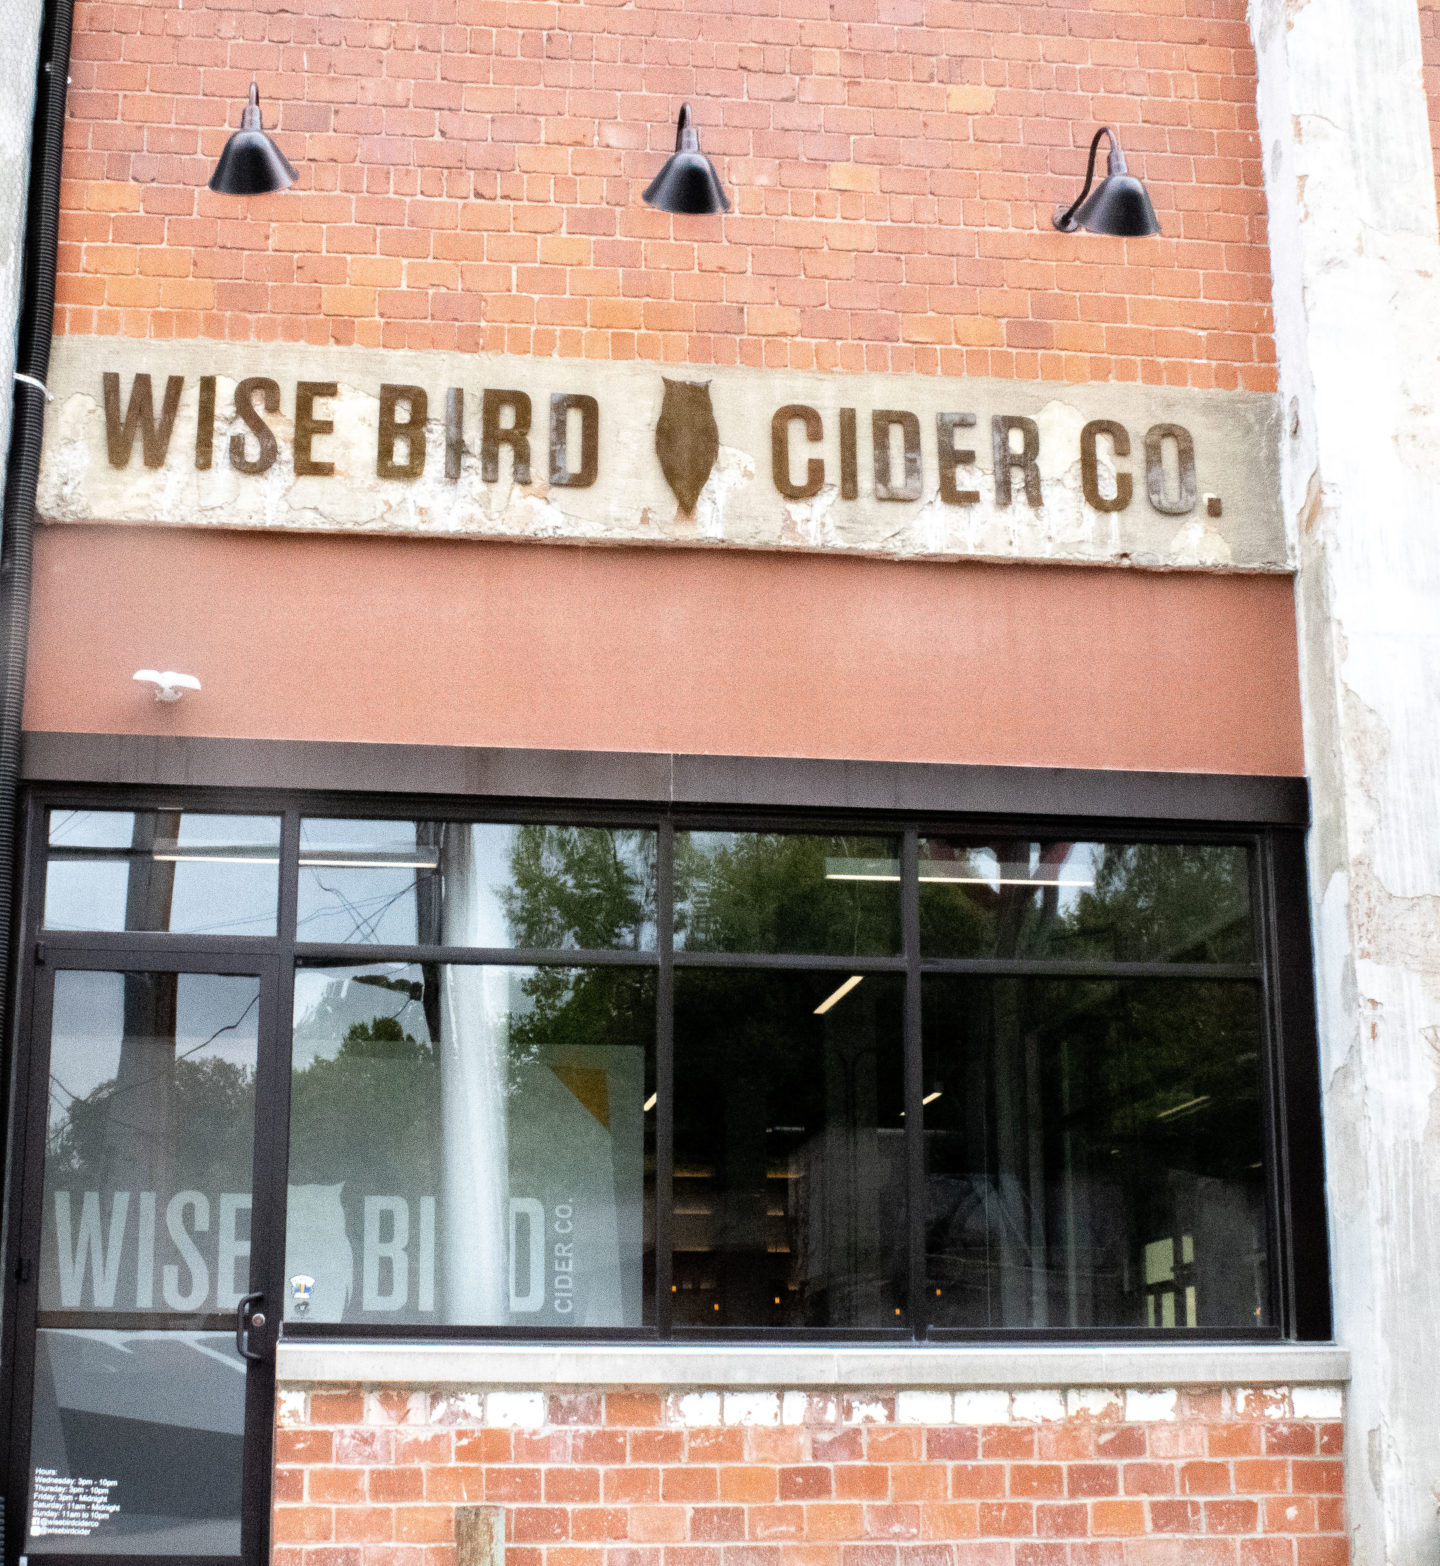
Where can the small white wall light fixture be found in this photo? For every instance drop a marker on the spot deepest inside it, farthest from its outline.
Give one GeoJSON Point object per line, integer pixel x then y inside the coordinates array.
{"type": "Point", "coordinates": [169, 686]}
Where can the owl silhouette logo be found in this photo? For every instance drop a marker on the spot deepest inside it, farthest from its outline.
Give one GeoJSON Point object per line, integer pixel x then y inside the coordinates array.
{"type": "Point", "coordinates": [687, 441]}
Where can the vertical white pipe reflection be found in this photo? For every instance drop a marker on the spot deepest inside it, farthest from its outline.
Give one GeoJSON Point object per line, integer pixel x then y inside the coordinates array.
{"type": "Point", "coordinates": [474, 1037]}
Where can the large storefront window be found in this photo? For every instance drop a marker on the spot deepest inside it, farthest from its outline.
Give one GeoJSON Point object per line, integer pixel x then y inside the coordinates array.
{"type": "Point", "coordinates": [470, 1145]}
{"type": "Point", "coordinates": [681, 1076]}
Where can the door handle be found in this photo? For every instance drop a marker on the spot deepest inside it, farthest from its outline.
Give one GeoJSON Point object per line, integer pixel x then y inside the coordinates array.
{"type": "Point", "coordinates": [245, 1318]}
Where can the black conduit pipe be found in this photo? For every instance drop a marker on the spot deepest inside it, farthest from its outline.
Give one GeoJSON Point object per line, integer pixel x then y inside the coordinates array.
{"type": "Point", "coordinates": [22, 469]}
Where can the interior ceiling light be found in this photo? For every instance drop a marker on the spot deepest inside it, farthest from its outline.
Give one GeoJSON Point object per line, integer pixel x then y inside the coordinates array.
{"type": "Point", "coordinates": [836, 996]}
{"type": "Point", "coordinates": [688, 182]}
{"type": "Point", "coordinates": [1118, 205]}
{"type": "Point", "coordinates": [251, 164]}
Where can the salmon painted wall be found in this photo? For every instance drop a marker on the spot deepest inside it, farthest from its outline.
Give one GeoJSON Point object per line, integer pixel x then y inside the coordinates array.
{"type": "Point", "coordinates": [463, 643]}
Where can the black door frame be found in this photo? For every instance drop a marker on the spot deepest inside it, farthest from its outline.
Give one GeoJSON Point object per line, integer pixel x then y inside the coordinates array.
{"type": "Point", "coordinates": [145, 953]}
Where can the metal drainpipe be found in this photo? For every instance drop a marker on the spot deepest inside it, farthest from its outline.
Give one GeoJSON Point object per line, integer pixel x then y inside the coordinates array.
{"type": "Point", "coordinates": [22, 471]}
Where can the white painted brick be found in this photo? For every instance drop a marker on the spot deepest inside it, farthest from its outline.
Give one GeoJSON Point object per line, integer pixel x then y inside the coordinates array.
{"type": "Point", "coordinates": [380, 1408]}
{"type": "Point", "coordinates": [700, 1408]}
{"type": "Point", "coordinates": [291, 1407]}
{"type": "Point", "coordinates": [1263, 1402]}
{"type": "Point", "coordinates": [1317, 1402]}
{"type": "Point", "coordinates": [457, 1408]}
{"type": "Point", "coordinates": [982, 1408]}
{"type": "Point", "coordinates": [1148, 1405]}
{"type": "Point", "coordinates": [1094, 1402]}
{"type": "Point", "coordinates": [515, 1410]}
{"type": "Point", "coordinates": [923, 1408]}
{"type": "Point", "coordinates": [752, 1408]}
{"type": "Point", "coordinates": [1045, 1403]}
{"type": "Point", "coordinates": [793, 1408]}
{"type": "Point", "coordinates": [863, 1412]}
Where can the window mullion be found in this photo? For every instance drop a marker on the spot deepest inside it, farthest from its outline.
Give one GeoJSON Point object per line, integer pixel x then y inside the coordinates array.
{"type": "Point", "coordinates": [914, 1088]}
{"type": "Point", "coordinates": [664, 1070]}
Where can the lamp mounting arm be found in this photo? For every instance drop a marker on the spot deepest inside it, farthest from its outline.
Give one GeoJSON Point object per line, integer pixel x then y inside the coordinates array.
{"type": "Point", "coordinates": [1064, 219]}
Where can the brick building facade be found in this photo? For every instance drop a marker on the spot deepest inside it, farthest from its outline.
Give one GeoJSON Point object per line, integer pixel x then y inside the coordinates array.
{"type": "Point", "coordinates": [508, 786]}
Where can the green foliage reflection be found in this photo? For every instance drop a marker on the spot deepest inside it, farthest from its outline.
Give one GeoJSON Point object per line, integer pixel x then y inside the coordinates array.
{"type": "Point", "coordinates": [589, 888]}
{"type": "Point", "coordinates": [1115, 902]}
{"type": "Point", "coordinates": [784, 892]}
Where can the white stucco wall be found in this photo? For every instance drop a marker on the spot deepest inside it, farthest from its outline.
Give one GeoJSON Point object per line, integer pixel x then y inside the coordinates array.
{"type": "Point", "coordinates": [1356, 262]}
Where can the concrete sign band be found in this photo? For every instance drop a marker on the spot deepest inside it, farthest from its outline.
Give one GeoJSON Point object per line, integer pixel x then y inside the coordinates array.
{"type": "Point", "coordinates": [288, 437]}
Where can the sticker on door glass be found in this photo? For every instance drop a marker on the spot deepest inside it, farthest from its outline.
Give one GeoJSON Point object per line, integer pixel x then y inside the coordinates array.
{"type": "Point", "coordinates": [69, 1506]}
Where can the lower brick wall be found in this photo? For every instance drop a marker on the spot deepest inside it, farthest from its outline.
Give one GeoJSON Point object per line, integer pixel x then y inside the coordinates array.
{"type": "Point", "coordinates": [372, 1476]}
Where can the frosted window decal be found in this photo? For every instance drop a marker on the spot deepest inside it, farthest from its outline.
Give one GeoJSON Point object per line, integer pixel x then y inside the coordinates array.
{"type": "Point", "coordinates": [470, 1145]}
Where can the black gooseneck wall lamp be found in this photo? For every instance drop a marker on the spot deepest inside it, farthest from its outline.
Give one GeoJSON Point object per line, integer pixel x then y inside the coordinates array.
{"type": "Point", "coordinates": [1118, 204]}
{"type": "Point", "coordinates": [251, 164]}
{"type": "Point", "coordinates": [688, 182]}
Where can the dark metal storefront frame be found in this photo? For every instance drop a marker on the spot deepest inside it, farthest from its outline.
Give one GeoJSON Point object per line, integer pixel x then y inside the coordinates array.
{"type": "Point", "coordinates": [24, 1221]}
{"type": "Point", "coordinates": [1268, 815]}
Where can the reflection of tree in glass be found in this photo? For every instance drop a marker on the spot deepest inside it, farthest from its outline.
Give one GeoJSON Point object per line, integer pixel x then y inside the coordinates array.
{"type": "Point", "coordinates": [366, 1114]}
{"type": "Point", "coordinates": [589, 888]}
{"type": "Point", "coordinates": [1171, 902]}
{"type": "Point", "coordinates": [775, 891]}
{"type": "Point", "coordinates": [205, 1142]}
{"type": "Point", "coordinates": [1175, 902]}
{"type": "Point", "coordinates": [612, 1006]}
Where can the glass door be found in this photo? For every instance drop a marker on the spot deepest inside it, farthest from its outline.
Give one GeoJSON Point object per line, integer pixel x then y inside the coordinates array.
{"type": "Point", "coordinates": [149, 1297]}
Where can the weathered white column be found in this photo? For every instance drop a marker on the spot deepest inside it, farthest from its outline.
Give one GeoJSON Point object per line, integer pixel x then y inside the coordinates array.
{"type": "Point", "coordinates": [1356, 260]}
{"type": "Point", "coordinates": [19, 54]}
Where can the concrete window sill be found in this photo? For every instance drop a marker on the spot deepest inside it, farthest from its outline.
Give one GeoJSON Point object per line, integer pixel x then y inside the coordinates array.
{"type": "Point", "coordinates": [775, 1365]}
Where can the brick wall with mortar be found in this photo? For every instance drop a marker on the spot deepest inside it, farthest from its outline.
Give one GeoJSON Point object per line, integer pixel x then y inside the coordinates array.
{"type": "Point", "coordinates": [470, 177]}
{"type": "Point", "coordinates": [1430, 54]}
{"type": "Point", "coordinates": [371, 1476]}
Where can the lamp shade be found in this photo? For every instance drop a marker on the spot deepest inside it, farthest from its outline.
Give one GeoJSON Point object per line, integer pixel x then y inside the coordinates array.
{"type": "Point", "coordinates": [688, 182]}
{"type": "Point", "coordinates": [251, 164]}
{"type": "Point", "coordinates": [1118, 205]}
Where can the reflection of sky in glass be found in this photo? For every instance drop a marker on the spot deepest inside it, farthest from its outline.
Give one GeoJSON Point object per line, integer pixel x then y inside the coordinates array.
{"type": "Point", "coordinates": [351, 892]}
{"type": "Point", "coordinates": [217, 1018]}
{"type": "Point", "coordinates": [225, 881]}
{"type": "Point", "coordinates": [242, 831]}
{"type": "Point", "coordinates": [91, 828]}
{"type": "Point", "coordinates": [116, 829]}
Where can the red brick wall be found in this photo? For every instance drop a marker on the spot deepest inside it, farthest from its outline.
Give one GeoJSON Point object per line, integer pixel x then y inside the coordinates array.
{"type": "Point", "coordinates": [371, 1477]}
{"type": "Point", "coordinates": [471, 174]}
{"type": "Point", "coordinates": [1430, 53]}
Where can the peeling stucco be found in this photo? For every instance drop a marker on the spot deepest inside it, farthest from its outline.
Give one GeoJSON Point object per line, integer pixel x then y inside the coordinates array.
{"type": "Point", "coordinates": [1355, 251]}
